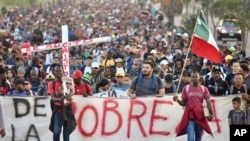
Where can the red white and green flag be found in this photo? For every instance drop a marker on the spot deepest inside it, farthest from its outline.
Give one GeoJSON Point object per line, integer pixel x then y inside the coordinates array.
{"type": "Point", "coordinates": [203, 43]}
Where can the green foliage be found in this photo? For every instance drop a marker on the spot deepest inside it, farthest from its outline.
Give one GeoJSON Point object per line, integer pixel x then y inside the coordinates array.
{"type": "Point", "coordinates": [20, 3]}
{"type": "Point", "coordinates": [234, 9]}
{"type": "Point", "coordinates": [174, 9]}
{"type": "Point", "coordinates": [189, 22]}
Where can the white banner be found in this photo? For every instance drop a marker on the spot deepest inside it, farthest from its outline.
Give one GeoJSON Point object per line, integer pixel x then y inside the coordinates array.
{"type": "Point", "coordinates": [69, 44]}
{"type": "Point", "coordinates": [114, 93]}
{"type": "Point", "coordinates": [102, 119]}
{"type": "Point", "coordinates": [65, 51]}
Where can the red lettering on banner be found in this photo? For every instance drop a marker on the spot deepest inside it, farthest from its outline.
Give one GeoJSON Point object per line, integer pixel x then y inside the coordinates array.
{"type": "Point", "coordinates": [65, 50]}
{"type": "Point", "coordinates": [74, 43]}
{"type": "Point", "coordinates": [65, 59]}
{"type": "Point", "coordinates": [158, 117]}
{"type": "Point", "coordinates": [49, 46]}
{"type": "Point", "coordinates": [80, 126]}
{"type": "Point", "coordinates": [88, 41]}
{"type": "Point", "coordinates": [35, 47]}
{"type": "Point", "coordinates": [107, 108]}
{"type": "Point", "coordinates": [66, 73]}
{"type": "Point", "coordinates": [74, 107]}
{"type": "Point", "coordinates": [57, 45]}
{"type": "Point", "coordinates": [65, 44]}
{"type": "Point", "coordinates": [216, 119]}
{"type": "Point", "coordinates": [65, 66]}
{"type": "Point", "coordinates": [137, 116]}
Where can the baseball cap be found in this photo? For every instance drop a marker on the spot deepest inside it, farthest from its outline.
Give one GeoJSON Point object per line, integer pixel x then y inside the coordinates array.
{"type": "Point", "coordinates": [95, 65]}
{"type": "Point", "coordinates": [153, 51]}
{"type": "Point", "coordinates": [118, 60]}
{"type": "Point", "coordinates": [232, 49]}
{"type": "Point", "coordinates": [19, 81]}
{"type": "Point", "coordinates": [121, 73]}
{"type": "Point", "coordinates": [164, 62]}
{"type": "Point", "coordinates": [77, 74]}
{"type": "Point", "coordinates": [216, 68]}
{"type": "Point", "coordinates": [87, 77]}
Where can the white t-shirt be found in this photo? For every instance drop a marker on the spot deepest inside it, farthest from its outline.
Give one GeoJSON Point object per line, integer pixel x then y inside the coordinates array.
{"type": "Point", "coordinates": [87, 69]}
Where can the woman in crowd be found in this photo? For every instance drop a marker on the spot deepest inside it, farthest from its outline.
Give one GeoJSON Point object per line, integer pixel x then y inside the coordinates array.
{"type": "Point", "coordinates": [102, 86]}
{"type": "Point", "coordinates": [10, 74]}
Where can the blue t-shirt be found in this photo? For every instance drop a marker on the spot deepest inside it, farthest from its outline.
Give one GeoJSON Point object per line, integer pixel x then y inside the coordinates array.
{"type": "Point", "coordinates": [123, 87]}
{"type": "Point", "coordinates": [15, 93]}
{"type": "Point", "coordinates": [35, 86]}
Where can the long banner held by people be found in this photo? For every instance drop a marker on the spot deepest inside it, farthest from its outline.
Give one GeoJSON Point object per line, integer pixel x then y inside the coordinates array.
{"type": "Point", "coordinates": [102, 119]}
{"type": "Point", "coordinates": [64, 44]}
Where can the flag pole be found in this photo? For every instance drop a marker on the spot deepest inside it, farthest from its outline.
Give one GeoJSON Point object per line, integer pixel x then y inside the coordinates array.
{"type": "Point", "coordinates": [184, 64]}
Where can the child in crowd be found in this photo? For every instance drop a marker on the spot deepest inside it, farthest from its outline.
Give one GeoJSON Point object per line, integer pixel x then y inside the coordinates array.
{"type": "Point", "coordinates": [236, 116]}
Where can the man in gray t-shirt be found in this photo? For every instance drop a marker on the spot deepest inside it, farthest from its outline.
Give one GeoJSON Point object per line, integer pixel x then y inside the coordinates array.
{"type": "Point", "coordinates": [146, 83]}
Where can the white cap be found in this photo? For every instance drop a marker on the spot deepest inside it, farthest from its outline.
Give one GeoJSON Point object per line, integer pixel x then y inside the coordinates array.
{"type": "Point", "coordinates": [95, 65]}
{"type": "Point", "coordinates": [164, 62]}
{"type": "Point", "coordinates": [153, 51]}
{"type": "Point", "coordinates": [127, 46]}
{"type": "Point", "coordinates": [118, 60]}
{"type": "Point", "coordinates": [185, 35]}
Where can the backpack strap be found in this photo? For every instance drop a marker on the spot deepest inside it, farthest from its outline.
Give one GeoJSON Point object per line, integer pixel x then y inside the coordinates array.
{"type": "Point", "coordinates": [187, 88]}
{"type": "Point", "coordinates": [203, 88]}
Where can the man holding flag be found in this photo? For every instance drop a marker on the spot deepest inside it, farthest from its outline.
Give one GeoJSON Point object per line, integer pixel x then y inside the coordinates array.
{"type": "Point", "coordinates": [194, 120]}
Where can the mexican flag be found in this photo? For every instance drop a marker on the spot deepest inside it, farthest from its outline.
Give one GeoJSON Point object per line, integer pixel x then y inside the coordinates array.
{"type": "Point", "coordinates": [203, 43]}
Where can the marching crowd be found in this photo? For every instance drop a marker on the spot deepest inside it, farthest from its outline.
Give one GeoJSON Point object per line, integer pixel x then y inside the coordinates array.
{"type": "Point", "coordinates": [146, 56]}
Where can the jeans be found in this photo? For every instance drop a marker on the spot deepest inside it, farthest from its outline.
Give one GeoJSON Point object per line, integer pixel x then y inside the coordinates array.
{"type": "Point", "coordinates": [194, 131]}
{"type": "Point", "coordinates": [57, 129]}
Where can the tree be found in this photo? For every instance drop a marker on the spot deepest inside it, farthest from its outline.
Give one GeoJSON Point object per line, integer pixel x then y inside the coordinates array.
{"type": "Point", "coordinates": [172, 8]}
{"type": "Point", "coordinates": [189, 22]}
{"type": "Point", "coordinates": [229, 9]}
{"type": "Point", "coordinates": [20, 3]}
{"type": "Point", "coordinates": [238, 10]}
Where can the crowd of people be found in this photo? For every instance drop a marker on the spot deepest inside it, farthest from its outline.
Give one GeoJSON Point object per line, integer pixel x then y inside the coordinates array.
{"type": "Point", "coordinates": [143, 44]}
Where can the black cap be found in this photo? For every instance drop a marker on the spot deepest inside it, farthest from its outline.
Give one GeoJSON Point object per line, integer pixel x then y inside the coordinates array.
{"type": "Point", "coordinates": [19, 81]}
{"type": "Point", "coordinates": [216, 68]}
{"type": "Point", "coordinates": [168, 78]}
